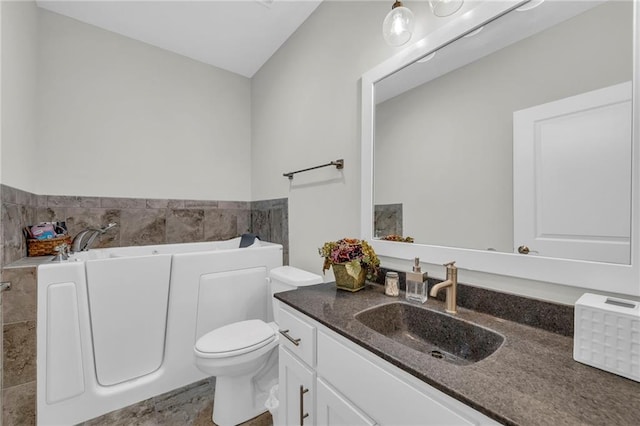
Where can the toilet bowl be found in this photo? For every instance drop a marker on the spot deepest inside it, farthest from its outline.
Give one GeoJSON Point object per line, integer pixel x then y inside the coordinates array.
{"type": "Point", "coordinates": [243, 356]}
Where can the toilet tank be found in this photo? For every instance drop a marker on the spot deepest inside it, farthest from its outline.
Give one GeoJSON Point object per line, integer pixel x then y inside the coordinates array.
{"type": "Point", "coordinates": [284, 278]}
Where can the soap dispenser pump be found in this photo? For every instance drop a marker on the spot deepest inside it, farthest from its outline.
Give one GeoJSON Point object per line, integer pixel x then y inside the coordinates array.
{"type": "Point", "coordinates": [416, 287]}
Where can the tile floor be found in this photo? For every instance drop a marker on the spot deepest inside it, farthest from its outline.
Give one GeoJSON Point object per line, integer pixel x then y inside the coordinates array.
{"type": "Point", "coordinates": [189, 406]}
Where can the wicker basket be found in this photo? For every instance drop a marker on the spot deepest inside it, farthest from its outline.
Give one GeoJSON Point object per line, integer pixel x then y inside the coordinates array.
{"type": "Point", "coordinates": [46, 247]}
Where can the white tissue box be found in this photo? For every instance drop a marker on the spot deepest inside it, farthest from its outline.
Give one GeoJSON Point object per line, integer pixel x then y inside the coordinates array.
{"type": "Point", "coordinates": [607, 334]}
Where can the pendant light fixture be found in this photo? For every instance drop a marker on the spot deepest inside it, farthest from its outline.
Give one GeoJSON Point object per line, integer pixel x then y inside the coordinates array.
{"type": "Point", "coordinates": [442, 8]}
{"type": "Point", "coordinates": [397, 27]}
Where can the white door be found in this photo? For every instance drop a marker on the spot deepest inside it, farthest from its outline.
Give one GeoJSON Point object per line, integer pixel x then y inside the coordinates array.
{"type": "Point", "coordinates": [572, 176]}
{"type": "Point", "coordinates": [295, 390]}
{"type": "Point", "coordinates": [334, 409]}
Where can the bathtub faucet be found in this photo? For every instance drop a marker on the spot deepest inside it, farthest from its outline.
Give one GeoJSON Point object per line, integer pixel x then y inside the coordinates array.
{"type": "Point", "coordinates": [86, 237]}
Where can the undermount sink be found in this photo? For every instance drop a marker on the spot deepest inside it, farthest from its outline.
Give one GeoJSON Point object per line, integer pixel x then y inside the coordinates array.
{"type": "Point", "coordinates": [443, 336]}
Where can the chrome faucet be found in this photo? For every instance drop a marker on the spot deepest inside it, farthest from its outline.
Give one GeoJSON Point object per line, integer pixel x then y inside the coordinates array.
{"type": "Point", "coordinates": [62, 253]}
{"type": "Point", "coordinates": [451, 285]}
{"type": "Point", "coordinates": [85, 238]}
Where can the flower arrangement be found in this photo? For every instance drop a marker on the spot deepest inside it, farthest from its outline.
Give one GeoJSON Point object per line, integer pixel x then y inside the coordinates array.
{"type": "Point", "coordinates": [397, 238]}
{"type": "Point", "coordinates": [354, 254]}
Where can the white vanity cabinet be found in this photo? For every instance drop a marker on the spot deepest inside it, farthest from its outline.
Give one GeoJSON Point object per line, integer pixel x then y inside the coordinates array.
{"type": "Point", "coordinates": [350, 386]}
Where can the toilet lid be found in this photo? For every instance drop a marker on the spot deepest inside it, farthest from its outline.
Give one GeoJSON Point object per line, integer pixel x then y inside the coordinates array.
{"type": "Point", "coordinates": [236, 338]}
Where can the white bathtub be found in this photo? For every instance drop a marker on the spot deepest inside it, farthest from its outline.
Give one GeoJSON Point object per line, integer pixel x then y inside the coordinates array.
{"type": "Point", "coordinates": [116, 326]}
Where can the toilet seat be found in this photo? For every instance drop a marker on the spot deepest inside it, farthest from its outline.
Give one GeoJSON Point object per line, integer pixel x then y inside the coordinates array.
{"type": "Point", "coordinates": [235, 339]}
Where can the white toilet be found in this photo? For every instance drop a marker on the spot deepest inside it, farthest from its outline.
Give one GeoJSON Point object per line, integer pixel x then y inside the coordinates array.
{"type": "Point", "coordinates": [243, 356]}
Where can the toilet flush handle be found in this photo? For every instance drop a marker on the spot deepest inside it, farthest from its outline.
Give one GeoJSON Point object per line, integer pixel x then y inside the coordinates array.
{"type": "Point", "coordinates": [285, 333]}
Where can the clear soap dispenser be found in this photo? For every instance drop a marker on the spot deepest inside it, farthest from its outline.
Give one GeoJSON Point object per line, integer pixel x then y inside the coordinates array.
{"type": "Point", "coordinates": [416, 287]}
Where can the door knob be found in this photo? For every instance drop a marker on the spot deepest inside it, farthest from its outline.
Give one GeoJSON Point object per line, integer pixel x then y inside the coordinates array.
{"type": "Point", "coordinates": [525, 250]}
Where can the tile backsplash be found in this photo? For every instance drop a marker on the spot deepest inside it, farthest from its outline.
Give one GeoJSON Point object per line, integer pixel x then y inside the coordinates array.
{"type": "Point", "coordinates": [554, 317]}
{"type": "Point", "coordinates": [387, 219]}
{"type": "Point", "coordinates": [141, 221]}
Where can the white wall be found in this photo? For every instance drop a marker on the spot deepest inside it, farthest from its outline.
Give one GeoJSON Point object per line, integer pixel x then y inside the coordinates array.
{"type": "Point", "coordinates": [19, 68]}
{"type": "Point", "coordinates": [306, 112]}
{"type": "Point", "coordinates": [0, 145]}
{"type": "Point", "coordinates": [117, 117]}
{"type": "Point", "coordinates": [1, 313]}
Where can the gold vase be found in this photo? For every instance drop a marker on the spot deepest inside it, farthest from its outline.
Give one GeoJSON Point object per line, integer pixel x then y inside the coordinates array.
{"type": "Point", "coordinates": [344, 281]}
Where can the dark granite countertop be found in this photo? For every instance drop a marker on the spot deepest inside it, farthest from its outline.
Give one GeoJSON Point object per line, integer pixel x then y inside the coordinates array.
{"type": "Point", "coordinates": [531, 379]}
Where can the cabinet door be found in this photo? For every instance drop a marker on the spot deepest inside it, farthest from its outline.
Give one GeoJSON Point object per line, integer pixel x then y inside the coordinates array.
{"type": "Point", "coordinates": [333, 409]}
{"type": "Point", "coordinates": [369, 385]}
{"type": "Point", "coordinates": [296, 391]}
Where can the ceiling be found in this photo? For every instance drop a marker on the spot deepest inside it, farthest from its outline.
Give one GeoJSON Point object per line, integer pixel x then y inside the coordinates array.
{"type": "Point", "coordinates": [235, 35]}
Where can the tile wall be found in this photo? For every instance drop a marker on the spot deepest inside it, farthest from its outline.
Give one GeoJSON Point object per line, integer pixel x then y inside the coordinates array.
{"type": "Point", "coordinates": [387, 219]}
{"type": "Point", "coordinates": [140, 222]}
{"type": "Point", "coordinates": [19, 347]}
{"type": "Point", "coordinates": [1, 322]}
{"type": "Point", "coordinates": [270, 220]}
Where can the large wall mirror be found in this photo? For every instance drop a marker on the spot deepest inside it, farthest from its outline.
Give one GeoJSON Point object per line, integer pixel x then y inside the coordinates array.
{"type": "Point", "coordinates": [506, 140]}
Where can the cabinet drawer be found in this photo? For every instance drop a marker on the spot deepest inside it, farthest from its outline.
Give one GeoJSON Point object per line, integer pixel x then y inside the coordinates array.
{"type": "Point", "coordinates": [394, 401]}
{"type": "Point", "coordinates": [298, 336]}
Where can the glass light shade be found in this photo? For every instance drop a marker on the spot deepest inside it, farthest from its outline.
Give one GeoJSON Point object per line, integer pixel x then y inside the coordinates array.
{"type": "Point", "coordinates": [397, 27]}
{"type": "Point", "coordinates": [442, 8]}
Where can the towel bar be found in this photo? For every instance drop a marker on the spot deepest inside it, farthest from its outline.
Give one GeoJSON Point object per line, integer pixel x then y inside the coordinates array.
{"type": "Point", "coordinates": [338, 163]}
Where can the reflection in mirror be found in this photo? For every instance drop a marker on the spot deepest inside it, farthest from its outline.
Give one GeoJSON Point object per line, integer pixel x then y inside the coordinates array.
{"type": "Point", "coordinates": [518, 136]}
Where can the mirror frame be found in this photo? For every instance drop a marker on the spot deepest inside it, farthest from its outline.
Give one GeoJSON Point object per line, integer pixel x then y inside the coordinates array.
{"type": "Point", "coordinates": [606, 277]}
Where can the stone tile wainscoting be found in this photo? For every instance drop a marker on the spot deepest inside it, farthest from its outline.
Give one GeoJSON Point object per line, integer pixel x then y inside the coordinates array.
{"type": "Point", "coordinates": [19, 347]}
{"type": "Point", "coordinates": [140, 222]}
{"type": "Point", "coordinates": [387, 219]}
{"type": "Point", "coordinates": [270, 220]}
{"type": "Point", "coordinates": [1, 322]}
